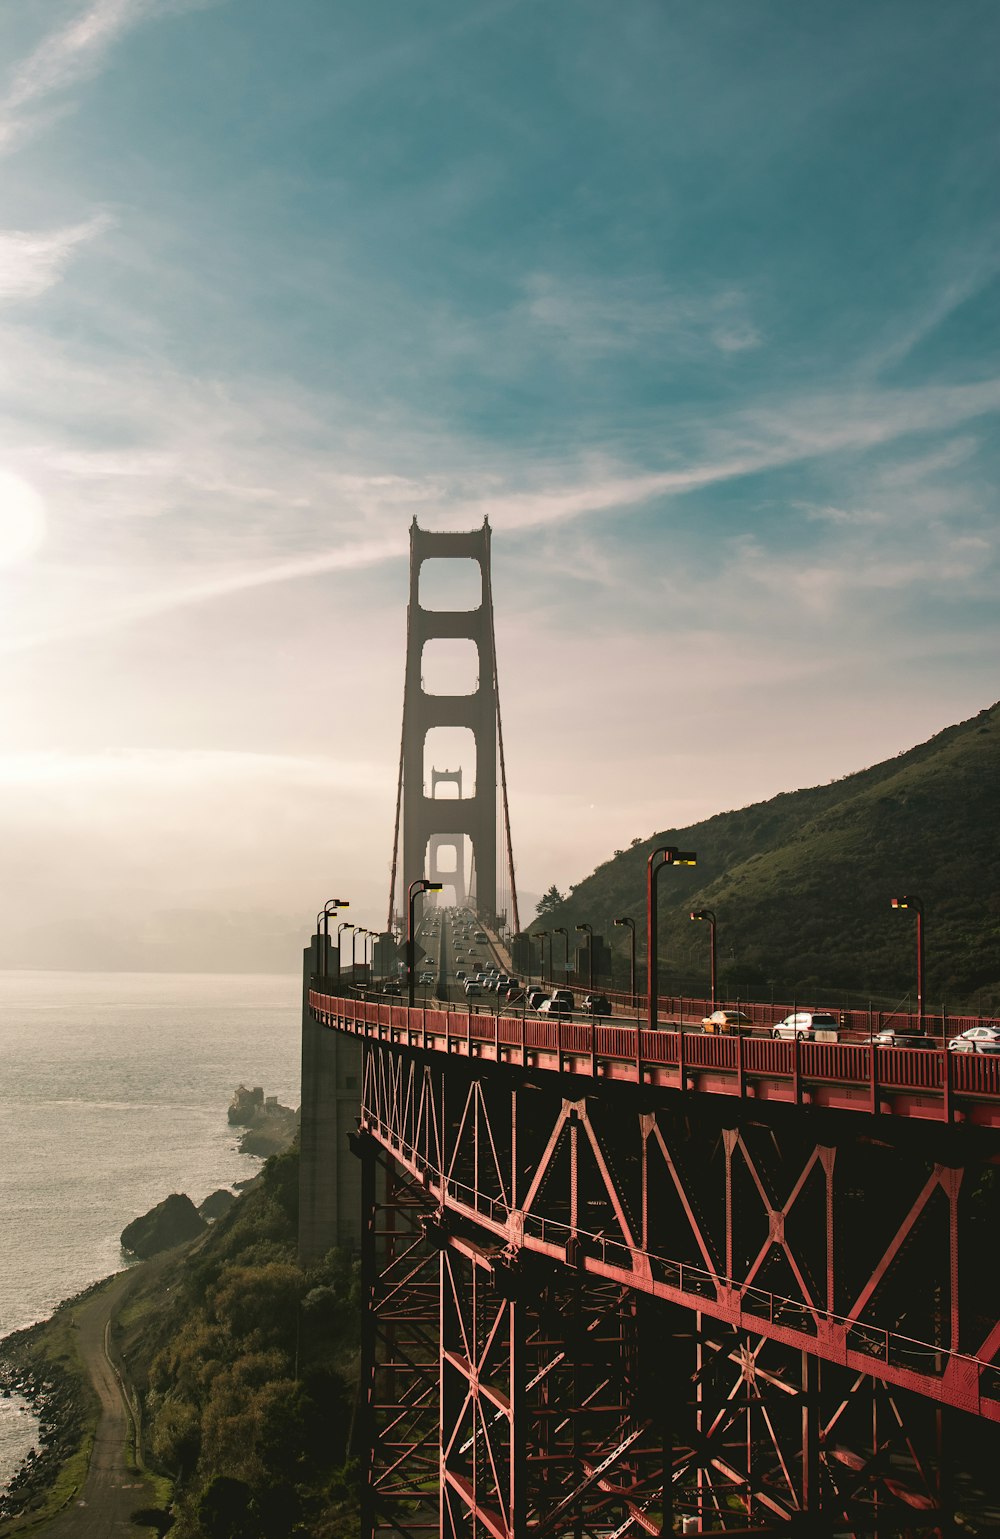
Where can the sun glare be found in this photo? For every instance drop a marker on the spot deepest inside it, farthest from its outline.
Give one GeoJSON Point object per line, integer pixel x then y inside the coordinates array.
{"type": "Point", "coordinates": [22, 519]}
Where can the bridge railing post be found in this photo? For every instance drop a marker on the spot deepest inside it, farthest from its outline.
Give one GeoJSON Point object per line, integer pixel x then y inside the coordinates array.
{"type": "Point", "coordinates": [873, 1101]}
{"type": "Point", "coordinates": [796, 1073]}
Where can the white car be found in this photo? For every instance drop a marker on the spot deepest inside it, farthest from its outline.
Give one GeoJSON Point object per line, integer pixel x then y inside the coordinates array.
{"type": "Point", "coordinates": [978, 1039]}
{"type": "Point", "coordinates": [805, 1023]}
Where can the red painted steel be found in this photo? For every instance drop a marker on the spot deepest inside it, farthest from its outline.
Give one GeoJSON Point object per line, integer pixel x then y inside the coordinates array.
{"type": "Point", "coordinates": [860, 1024]}
{"type": "Point", "coordinates": [597, 1306]}
{"type": "Point", "coordinates": [924, 1084]}
{"type": "Point", "coordinates": [569, 1377]}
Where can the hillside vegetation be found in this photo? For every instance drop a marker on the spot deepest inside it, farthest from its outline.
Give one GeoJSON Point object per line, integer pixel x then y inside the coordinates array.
{"type": "Point", "coordinates": [246, 1366]}
{"type": "Point", "coordinates": [801, 885]}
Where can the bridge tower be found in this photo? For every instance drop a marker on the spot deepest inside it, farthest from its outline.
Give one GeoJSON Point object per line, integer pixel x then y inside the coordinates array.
{"type": "Point", "coordinates": [430, 822]}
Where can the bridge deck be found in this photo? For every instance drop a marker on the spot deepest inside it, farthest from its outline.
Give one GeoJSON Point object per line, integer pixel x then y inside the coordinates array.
{"type": "Point", "coordinates": [925, 1083]}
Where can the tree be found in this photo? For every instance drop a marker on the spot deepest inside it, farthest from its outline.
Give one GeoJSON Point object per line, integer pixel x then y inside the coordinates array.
{"type": "Point", "coordinates": [226, 1510]}
{"type": "Point", "coordinates": [550, 901]}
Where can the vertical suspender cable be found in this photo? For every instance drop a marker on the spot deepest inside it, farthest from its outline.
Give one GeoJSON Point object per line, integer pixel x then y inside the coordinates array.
{"type": "Point", "coordinates": [399, 791]}
{"type": "Point", "coordinates": [503, 767]}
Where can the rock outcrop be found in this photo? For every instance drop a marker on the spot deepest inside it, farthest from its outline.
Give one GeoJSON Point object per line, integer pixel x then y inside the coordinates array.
{"type": "Point", "coordinates": [217, 1203]}
{"type": "Point", "coordinates": [245, 1106]}
{"type": "Point", "coordinates": [268, 1126]}
{"type": "Point", "coordinates": [170, 1223]}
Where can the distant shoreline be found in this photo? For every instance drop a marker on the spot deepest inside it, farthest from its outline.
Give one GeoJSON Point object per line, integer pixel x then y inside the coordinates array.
{"type": "Point", "coordinates": [154, 972]}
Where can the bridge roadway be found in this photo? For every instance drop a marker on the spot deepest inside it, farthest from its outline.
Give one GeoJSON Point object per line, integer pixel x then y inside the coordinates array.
{"type": "Point", "coordinates": [931, 1084]}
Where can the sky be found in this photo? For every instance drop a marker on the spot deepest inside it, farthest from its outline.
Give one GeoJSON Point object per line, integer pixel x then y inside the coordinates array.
{"type": "Point", "coordinates": [696, 300]}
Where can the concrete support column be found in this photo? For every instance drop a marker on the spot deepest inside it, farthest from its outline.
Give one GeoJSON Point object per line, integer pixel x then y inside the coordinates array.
{"type": "Point", "coordinates": [329, 1174]}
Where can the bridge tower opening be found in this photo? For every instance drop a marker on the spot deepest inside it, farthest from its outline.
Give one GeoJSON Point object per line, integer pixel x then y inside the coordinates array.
{"type": "Point", "coordinates": [446, 853]}
{"type": "Point", "coordinates": [474, 822]}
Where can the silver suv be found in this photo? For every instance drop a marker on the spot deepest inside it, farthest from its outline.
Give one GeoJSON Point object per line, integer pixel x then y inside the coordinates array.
{"type": "Point", "coordinates": [807, 1023]}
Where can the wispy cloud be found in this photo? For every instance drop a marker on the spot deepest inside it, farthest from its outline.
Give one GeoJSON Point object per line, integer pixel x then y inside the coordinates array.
{"type": "Point", "coordinates": [977, 267]}
{"type": "Point", "coordinates": [32, 261]}
{"type": "Point", "coordinates": [605, 316]}
{"type": "Point", "coordinates": [301, 503]}
{"type": "Point", "coordinates": [62, 59]}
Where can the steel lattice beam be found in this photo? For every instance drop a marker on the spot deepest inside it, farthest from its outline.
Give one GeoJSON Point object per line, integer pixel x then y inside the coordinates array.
{"type": "Point", "coordinates": [604, 1312]}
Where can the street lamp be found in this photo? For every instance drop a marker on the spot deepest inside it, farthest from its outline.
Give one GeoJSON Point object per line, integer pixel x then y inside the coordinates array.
{"type": "Point", "coordinates": [323, 918]}
{"type": "Point", "coordinates": [918, 908]}
{"type": "Point", "coordinates": [706, 913]}
{"type": "Point", "coordinates": [629, 924]}
{"type": "Point", "coordinates": [671, 856]}
{"type": "Point", "coordinates": [342, 926]}
{"type": "Point", "coordinates": [565, 934]}
{"type": "Point", "coordinates": [590, 955]}
{"type": "Point", "coordinates": [542, 934]}
{"type": "Point", "coordinates": [413, 892]}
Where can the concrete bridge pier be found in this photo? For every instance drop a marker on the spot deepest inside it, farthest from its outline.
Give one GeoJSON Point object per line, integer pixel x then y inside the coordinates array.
{"type": "Point", "coordinates": [329, 1174]}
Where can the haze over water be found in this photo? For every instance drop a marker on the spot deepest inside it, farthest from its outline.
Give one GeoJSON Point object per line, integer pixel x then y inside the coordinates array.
{"type": "Point", "coordinates": [113, 1093]}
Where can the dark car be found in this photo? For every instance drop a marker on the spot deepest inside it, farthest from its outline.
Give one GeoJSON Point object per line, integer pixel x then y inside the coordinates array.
{"type": "Point", "coordinates": [890, 1038]}
{"type": "Point", "coordinates": [391, 988]}
{"type": "Point", "coordinates": [596, 1004]}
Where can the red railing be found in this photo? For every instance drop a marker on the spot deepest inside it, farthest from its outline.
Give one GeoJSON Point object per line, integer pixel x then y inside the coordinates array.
{"type": "Point", "coordinates": [860, 1023]}
{"type": "Point", "coordinates": [924, 1082]}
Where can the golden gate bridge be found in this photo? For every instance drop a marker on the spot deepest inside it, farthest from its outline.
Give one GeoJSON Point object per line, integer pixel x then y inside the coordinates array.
{"type": "Point", "coordinates": [620, 1278]}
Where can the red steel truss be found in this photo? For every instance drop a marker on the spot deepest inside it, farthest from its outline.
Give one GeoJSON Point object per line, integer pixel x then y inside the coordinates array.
{"type": "Point", "coordinates": [603, 1308]}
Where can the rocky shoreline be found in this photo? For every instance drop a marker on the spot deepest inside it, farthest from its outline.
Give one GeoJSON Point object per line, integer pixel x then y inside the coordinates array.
{"type": "Point", "coordinates": [62, 1401]}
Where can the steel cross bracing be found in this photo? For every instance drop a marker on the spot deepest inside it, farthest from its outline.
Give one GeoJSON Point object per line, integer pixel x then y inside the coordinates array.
{"type": "Point", "coordinates": [509, 1394]}
{"type": "Point", "coordinates": [774, 1305]}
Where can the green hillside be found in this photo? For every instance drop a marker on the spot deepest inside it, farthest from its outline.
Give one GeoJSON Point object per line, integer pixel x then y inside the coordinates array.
{"type": "Point", "coordinates": [801, 885]}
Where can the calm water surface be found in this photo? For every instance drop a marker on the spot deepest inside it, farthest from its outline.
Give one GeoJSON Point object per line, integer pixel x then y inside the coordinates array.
{"type": "Point", "coordinates": [113, 1093]}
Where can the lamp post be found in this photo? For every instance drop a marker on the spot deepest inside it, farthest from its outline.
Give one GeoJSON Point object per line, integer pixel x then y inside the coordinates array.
{"type": "Point", "coordinates": [706, 913]}
{"type": "Point", "coordinates": [412, 894]}
{"type": "Point", "coordinates": [629, 924]}
{"type": "Point", "coordinates": [323, 918]}
{"type": "Point", "coordinates": [565, 934]}
{"type": "Point", "coordinates": [542, 934]}
{"type": "Point", "coordinates": [590, 955]}
{"type": "Point", "coordinates": [342, 926]}
{"type": "Point", "coordinates": [664, 855]}
{"type": "Point", "coordinates": [918, 908]}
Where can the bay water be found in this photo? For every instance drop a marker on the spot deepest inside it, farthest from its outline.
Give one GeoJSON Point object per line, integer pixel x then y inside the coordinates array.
{"type": "Point", "coordinates": [114, 1089]}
